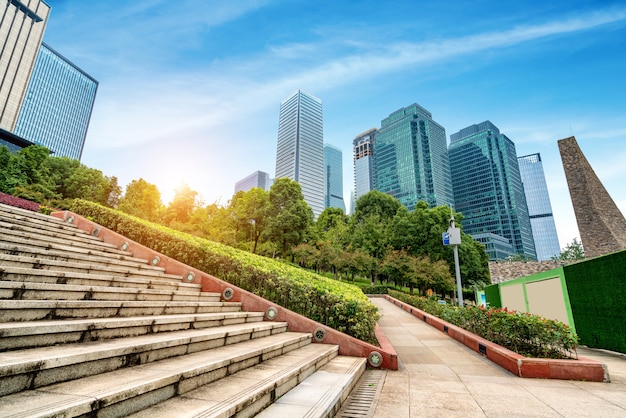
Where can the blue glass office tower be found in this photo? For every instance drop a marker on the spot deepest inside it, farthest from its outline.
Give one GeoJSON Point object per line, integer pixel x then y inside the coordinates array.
{"type": "Point", "coordinates": [539, 207]}
{"type": "Point", "coordinates": [333, 177]}
{"type": "Point", "coordinates": [411, 158]}
{"type": "Point", "coordinates": [258, 179]}
{"type": "Point", "coordinates": [300, 150]}
{"type": "Point", "coordinates": [364, 170]}
{"type": "Point", "coordinates": [57, 106]}
{"type": "Point", "coordinates": [488, 189]}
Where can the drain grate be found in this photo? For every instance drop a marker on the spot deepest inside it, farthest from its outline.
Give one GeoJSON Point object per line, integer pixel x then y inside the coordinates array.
{"type": "Point", "coordinates": [362, 401]}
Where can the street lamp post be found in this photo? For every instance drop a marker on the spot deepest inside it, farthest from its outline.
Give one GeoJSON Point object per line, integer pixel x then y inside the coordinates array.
{"type": "Point", "coordinates": [453, 237]}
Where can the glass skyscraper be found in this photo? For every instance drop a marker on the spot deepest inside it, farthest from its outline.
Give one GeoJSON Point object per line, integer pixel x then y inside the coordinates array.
{"type": "Point", "coordinates": [22, 25]}
{"type": "Point", "coordinates": [300, 150]}
{"type": "Point", "coordinates": [333, 177]}
{"type": "Point", "coordinates": [259, 179]}
{"type": "Point", "coordinates": [539, 207]}
{"type": "Point", "coordinates": [58, 104]}
{"type": "Point", "coordinates": [488, 189]}
{"type": "Point", "coordinates": [411, 158]}
{"type": "Point", "coordinates": [364, 170]}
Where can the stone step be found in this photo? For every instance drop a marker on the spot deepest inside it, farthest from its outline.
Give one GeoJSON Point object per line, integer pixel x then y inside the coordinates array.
{"type": "Point", "coordinates": [34, 310]}
{"type": "Point", "coordinates": [18, 274]}
{"type": "Point", "coordinates": [93, 258]}
{"type": "Point", "coordinates": [321, 394]}
{"type": "Point", "coordinates": [8, 260]}
{"type": "Point", "coordinates": [61, 245]}
{"type": "Point", "coordinates": [32, 215]}
{"type": "Point", "coordinates": [52, 238]}
{"type": "Point", "coordinates": [22, 223]}
{"type": "Point", "coordinates": [18, 290]}
{"type": "Point", "coordinates": [37, 367]}
{"type": "Point", "coordinates": [247, 392]}
{"type": "Point", "coordinates": [124, 391]}
{"type": "Point", "coordinates": [20, 335]}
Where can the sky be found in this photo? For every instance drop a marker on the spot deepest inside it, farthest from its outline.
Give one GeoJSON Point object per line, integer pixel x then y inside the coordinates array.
{"type": "Point", "coordinates": [189, 91]}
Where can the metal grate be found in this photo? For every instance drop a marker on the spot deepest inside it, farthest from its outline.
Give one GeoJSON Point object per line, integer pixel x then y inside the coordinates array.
{"type": "Point", "coordinates": [362, 401]}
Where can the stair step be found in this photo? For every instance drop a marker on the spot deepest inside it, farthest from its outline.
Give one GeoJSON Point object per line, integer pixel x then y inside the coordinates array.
{"type": "Point", "coordinates": [30, 226]}
{"type": "Point", "coordinates": [8, 260]}
{"type": "Point", "coordinates": [53, 253]}
{"type": "Point", "coordinates": [38, 290]}
{"type": "Point", "coordinates": [12, 210]}
{"type": "Point", "coordinates": [32, 310]}
{"type": "Point", "coordinates": [30, 275]}
{"type": "Point", "coordinates": [247, 392]}
{"type": "Point", "coordinates": [37, 367]}
{"type": "Point", "coordinates": [124, 391]}
{"type": "Point", "coordinates": [321, 394]}
{"type": "Point", "coordinates": [20, 335]}
{"type": "Point", "coordinates": [14, 235]}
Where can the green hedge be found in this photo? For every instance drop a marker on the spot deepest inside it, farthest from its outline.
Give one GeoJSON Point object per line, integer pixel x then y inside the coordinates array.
{"type": "Point", "coordinates": [526, 334]}
{"type": "Point", "coordinates": [597, 291]}
{"type": "Point", "coordinates": [336, 304]}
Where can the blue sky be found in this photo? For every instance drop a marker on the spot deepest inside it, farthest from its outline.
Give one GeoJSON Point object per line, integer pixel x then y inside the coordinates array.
{"type": "Point", "coordinates": [190, 90]}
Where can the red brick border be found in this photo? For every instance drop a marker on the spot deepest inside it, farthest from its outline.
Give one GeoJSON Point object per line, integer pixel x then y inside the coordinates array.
{"type": "Point", "coordinates": [581, 369]}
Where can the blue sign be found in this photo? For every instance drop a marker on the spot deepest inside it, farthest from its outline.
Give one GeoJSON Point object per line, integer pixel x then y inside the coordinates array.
{"type": "Point", "coordinates": [446, 238]}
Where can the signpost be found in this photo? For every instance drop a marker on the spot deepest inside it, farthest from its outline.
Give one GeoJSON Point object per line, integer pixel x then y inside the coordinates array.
{"type": "Point", "coordinates": [453, 237]}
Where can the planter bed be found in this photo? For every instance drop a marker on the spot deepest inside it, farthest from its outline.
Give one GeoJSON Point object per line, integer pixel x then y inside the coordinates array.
{"type": "Point", "coordinates": [569, 369]}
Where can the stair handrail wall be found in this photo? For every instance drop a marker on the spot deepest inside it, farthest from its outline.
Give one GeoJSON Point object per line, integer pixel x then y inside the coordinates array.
{"type": "Point", "coordinates": [384, 356]}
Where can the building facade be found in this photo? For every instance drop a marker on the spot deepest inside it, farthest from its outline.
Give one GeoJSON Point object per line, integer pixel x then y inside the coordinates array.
{"type": "Point", "coordinates": [488, 188]}
{"type": "Point", "coordinates": [333, 177]}
{"type": "Point", "coordinates": [539, 207]}
{"type": "Point", "coordinates": [300, 150]}
{"type": "Point", "coordinates": [57, 107]}
{"type": "Point", "coordinates": [364, 169]}
{"type": "Point", "coordinates": [411, 158]}
{"type": "Point", "coordinates": [22, 25]}
{"type": "Point", "coordinates": [259, 179]}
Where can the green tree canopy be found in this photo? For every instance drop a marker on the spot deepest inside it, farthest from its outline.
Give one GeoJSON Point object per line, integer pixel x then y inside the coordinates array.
{"type": "Point", "coordinates": [142, 199]}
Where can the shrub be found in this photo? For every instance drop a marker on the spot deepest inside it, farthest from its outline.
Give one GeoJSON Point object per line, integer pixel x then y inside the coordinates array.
{"type": "Point", "coordinates": [525, 333]}
{"type": "Point", "coordinates": [18, 202]}
{"type": "Point", "coordinates": [336, 304]}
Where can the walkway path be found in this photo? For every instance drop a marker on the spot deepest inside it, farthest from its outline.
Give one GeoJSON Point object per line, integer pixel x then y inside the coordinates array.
{"type": "Point", "coordinates": [438, 376]}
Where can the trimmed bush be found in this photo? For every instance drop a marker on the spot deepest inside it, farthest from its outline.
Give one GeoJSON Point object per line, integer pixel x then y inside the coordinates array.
{"type": "Point", "coordinates": [527, 334]}
{"type": "Point", "coordinates": [336, 304]}
{"type": "Point", "coordinates": [18, 202]}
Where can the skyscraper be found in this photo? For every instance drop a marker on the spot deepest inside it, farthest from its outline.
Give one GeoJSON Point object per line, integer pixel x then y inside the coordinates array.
{"type": "Point", "coordinates": [58, 103]}
{"type": "Point", "coordinates": [22, 25]}
{"type": "Point", "coordinates": [539, 207]}
{"type": "Point", "coordinates": [300, 150]}
{"type": "Point", "coordinates": [411, 158]}
{"type": "Point", "coordinates": [259, 179]}
{"type": "Point", "coordinates": [364, 170]}
{"type": "Point", "coordinates": [488, 189]}
{"type": "Point", "coordinates": [333, 177]}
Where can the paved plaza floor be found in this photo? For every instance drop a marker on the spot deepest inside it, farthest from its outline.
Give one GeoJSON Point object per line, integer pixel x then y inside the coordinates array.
{"type": "Point", "coordinates": [439, 377]}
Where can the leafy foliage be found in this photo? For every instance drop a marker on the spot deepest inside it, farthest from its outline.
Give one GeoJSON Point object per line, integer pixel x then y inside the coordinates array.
{"type": "Point", "coordinates": [526, 334]}
{"type": "Point", "coordinates": [339, 305]}
{"type": "Point", "coordinates": [572, 251]}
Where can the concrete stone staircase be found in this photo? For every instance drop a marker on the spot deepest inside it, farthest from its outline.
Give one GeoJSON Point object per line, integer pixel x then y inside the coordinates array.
{"type": "Point", "coordinates": [87, 329]}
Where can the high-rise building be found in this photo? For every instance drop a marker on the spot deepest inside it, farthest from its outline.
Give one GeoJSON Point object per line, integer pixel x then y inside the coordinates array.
{"type": "Point", "coordinates": [411, 158]}
{"type": "Point", "coordinates": [539, 207]}
{"type": "Point", "coordinates": [300, 151]}
{"type": "Point", "coordinates": [333, 177]}
{"type": "Point", "coordinates": [488, 189]}
{"type": "Point", "coordinates": [364, 170]}
{"type": "Point", "coordinates": [22, 25]}
{"type": "Point", "coordinates": [57, 107]}
{"type": "Point", "coordinates": [259, 179]}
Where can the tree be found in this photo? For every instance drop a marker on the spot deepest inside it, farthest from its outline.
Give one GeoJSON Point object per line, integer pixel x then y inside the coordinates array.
{"type": "Point", "coordinates": [572, 251]}
{"type": "Point", "coordinates": [250, 210]}
{"type": "Point", "coordinates": [376, 203]}
{"type": "Point", "coordinates": [289, 215]}
{"type": "Point", "coordinates": [142, 199]}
